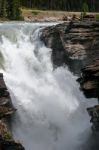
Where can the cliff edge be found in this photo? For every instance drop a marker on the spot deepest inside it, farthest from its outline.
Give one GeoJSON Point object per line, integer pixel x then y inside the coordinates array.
{"type": "Point", "coordinates": [6, 110]}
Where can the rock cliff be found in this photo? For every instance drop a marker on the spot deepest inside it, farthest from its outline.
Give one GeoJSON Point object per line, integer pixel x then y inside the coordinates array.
{"type": "Point", "coordinates": [76, 44]}
{"type": "Point", "coordinates": [6, 110]}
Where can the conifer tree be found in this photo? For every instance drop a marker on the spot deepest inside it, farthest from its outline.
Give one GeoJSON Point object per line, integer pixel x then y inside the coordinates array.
{"type": "Point", "coordinates": [85, 8]}
{"type": "Point", "coordinates": [13, 10]}
{"type": "Point", "coordinates": [3, 13]}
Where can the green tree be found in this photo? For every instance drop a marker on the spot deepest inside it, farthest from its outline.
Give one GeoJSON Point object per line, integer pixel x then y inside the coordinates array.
{"type": "Point", "coordinates": [85, 9]}
{"type": "Point", "coordinates": [3, 5]}
{"type": "Point", "coordinates": [13, 10]}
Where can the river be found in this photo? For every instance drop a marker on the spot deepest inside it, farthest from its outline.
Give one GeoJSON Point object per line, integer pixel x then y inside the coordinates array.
{"type": "Point", "coordinates": [51, 110]}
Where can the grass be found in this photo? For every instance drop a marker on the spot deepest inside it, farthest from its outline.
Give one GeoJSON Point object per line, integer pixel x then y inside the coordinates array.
{"type": "Point", "coordinates": [97, 17]}
{"type": "Point", "coordinates": [35, 12]}
{"type": "Point", "coordinates": [43, 14]}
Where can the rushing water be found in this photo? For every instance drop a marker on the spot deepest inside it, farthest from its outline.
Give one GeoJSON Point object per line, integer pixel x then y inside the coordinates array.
{"type": "Point", "coordinates": [51, 111]}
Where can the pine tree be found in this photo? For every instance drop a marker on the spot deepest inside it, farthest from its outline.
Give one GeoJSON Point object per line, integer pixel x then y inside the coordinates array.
{"type": "Point", "coordinates": [3, 13]}
{"type": "Point", "coordinates": [13, 10]}
{"type": "Point", "coordinates": [85, 8]}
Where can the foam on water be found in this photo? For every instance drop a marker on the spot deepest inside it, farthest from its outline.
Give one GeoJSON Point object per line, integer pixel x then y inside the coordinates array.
{"type": "Point", "coordinates": [51, 111]}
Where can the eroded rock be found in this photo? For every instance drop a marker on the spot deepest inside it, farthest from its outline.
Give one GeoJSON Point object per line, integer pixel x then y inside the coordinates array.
{"type": "Point", "coordinates": [94, 114]}
{"type": "Point", "coordinates": [89, 80]}
{"type": "Point", "coordinates": [6, 109]}
{"type": "Point", "coordinates": [6, 140]}
{"type": "Point", "coordinates": [75, 44]}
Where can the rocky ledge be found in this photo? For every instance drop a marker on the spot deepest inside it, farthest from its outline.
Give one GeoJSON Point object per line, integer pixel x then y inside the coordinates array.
{"type": "Point", "coordinates": [89, 80]}
{"type": "Point", "coordinates": [77, 44]}
{"type": "Point", "coordinates": [6, 110]}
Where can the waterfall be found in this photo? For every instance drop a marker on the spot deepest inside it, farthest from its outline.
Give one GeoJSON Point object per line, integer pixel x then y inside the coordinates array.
{"type": "Point", "coordinates": [51, 111]}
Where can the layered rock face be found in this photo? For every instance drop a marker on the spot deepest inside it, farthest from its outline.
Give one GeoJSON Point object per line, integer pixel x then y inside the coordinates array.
{"type": "Point", "coordinates": [6, 107]}
{"type": "Point", "coordinates": [77, 45]}
{"type": "Point", "coordinates": [89, 80]}
{"type": "Point", "coordinates": [6, 110]}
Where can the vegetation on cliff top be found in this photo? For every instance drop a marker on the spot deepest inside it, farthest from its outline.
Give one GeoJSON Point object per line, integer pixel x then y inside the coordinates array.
{"type": "Point", "coordinates": [10, 9]}
{"type": "Point", "coordinates": [68, 5]}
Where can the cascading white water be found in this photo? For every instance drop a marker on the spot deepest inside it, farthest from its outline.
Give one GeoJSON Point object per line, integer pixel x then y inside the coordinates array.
{"type": "Point", "coordinates": [51, 111]}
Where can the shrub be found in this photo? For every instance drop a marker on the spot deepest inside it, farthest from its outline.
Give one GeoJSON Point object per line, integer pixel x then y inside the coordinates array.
{"type": "Point", "coordinates": [84, 9]}
{"type": "Point", "coordinates": [97, 17]}
{"type": "Point", "coordinates": [35, 12]}
{"type": "Point", "coordinates": [7, 136]}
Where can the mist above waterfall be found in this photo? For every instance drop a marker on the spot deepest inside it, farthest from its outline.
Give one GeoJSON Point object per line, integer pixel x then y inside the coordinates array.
{"type": "Point", "coordinates": [51, 111]}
